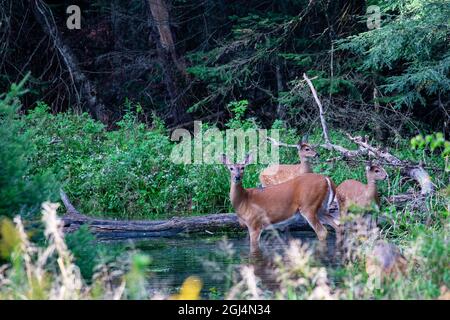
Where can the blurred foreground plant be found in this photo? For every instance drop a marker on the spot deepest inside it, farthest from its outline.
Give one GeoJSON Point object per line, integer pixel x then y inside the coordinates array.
{"type": "Point", "coordinates": [50, 272]}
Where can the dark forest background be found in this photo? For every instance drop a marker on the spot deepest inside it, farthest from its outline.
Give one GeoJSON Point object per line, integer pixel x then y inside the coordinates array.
{"type": "Point", "coordinates": [185, 60]}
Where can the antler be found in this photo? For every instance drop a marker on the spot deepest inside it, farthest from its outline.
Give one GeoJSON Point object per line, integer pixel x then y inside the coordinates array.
{"type": "Point", "coordinates": [277, 143]}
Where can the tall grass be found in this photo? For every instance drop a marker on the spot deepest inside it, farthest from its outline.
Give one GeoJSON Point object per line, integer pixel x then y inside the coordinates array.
{"type": "Point", "coordinates": [50, 272]}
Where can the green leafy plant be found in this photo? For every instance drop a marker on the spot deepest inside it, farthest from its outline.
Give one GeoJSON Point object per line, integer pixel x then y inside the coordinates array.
{"type": "Point", "coordinates": [22, 187]}
{"type": "Point", "coordinates": [238, 108]}
{"type": "Point", "coordinates": [433, 142]}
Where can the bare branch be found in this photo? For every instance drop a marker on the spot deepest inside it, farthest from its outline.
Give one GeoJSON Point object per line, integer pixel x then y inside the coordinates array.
{"type": "Point", "coordinates": [282, 144]}
{"type": "Point", "coordinates": [87, 89]}
{"type": "Point", "coordinates": [321, 112]}
{"type": "Point", "coordinates": [71, 211]}
{"type": "Point", "coordinates": [414, 171]}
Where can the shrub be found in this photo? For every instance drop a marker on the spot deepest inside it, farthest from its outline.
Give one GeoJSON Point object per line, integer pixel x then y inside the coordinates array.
{"type": "Point", "coordinates": [22, 188]}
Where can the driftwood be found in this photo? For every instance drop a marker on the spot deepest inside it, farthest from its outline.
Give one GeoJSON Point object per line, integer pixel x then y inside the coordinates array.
{"type": "Point", "coordinates": [408, 169]}
{"type": "Point", "coordinates": [109, 229]}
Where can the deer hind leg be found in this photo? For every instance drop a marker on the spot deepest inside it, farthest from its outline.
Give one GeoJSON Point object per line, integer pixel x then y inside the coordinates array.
{"type": "Point", "coordinates": [313, 220]}
{"type": "Point", "coordinates": [329, 220]}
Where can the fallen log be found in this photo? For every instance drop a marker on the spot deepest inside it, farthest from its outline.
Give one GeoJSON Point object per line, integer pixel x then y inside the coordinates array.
{"type": "Point", "coordinates": [109, 229]}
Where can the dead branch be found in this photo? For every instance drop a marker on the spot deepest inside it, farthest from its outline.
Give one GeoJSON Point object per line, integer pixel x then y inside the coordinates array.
{"type": "Point", "coordinates": [321, 112]}
{"type": "Point", "coordinates": [414, 171]}
{"type": "Point", "coordinates": [282, 144]}
{"type": "Point", "coordinates": [71, 211]}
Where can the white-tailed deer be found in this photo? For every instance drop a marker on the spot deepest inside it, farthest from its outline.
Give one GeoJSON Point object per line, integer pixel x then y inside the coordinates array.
{"type": "Point", "coordinates": [279, 173]}
{"type": "Point", "coordinates": [352, 192]}
{"type": "Point", "coordinates": [310, 194]}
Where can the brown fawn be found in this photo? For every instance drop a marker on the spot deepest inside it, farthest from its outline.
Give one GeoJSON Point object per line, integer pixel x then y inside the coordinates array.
{"type": "Point", "coordinates": [278, 173]}
{"type": "Point", "coordinates": [352, 192]}
{"type": "Point", "coordinates": [310, 194]}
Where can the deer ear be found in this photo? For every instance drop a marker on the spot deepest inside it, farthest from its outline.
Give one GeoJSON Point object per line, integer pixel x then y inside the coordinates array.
{"type": "Point", "coordinates": [248, 158]}
{"type": "Point", "coordinates": [224, 159]}
{"type": "Point", "coordinates": [368, 165]}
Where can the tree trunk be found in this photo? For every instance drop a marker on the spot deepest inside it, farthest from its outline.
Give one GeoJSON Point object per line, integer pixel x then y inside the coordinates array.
{"type": "Point", "coordinates": [173, 67]}
{"type": "Point", "coordinates": [281, 112]}
{"type": "Point", "coordinates": [86, 90]}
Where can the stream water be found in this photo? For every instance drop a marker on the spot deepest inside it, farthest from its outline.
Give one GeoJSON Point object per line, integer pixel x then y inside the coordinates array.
{"type": "Point", "coordinates": [213, 258]}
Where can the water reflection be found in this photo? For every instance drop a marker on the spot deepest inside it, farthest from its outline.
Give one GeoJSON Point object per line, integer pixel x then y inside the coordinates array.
{"type": "Point", "coordinates": [216, 259]}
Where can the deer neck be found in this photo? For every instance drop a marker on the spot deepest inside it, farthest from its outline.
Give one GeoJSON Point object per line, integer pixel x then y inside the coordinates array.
{"type": "Point", "coordinates": [371, 186]}
{"type": "Point", "coordinates": [304, 164]}
{"type": "Point", "coordinates": [238, 195]}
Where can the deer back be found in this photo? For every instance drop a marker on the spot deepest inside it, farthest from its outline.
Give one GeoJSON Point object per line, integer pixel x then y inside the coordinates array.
{"type": "Point", "coordinates": [307, 192]}
{"type": "Point", "coordinates": [357, 193]}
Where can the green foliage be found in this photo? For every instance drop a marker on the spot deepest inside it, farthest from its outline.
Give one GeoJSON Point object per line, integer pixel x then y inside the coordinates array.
{"type": "Point", "coordinates": [9, 239]}
{"type": "Point", "coordinates": [33, 274]}
{"type": "Point", "coordinates": [413, 39]}
{"type": "Point", "coordinates": [89, 253]}
{"type": "Point", "coordinates": [135, 278]}
{"type": "Point", "coordinates": [435, 251]}
{"type": "Point", "coordinates": [22, 189]}
{"type": "Point", "coordinates": [121, 173]}
{"type": "Point", "coordinates": [256, 42]}
{"type": "Point", "coordinates": [302, 59]}
{"type": "Point", "coordinates": [82, 245]}
{"type": "Point", "coordinates": [433, 141]}
{"type": "Point", "coordinates": [238, 109]}
{"type": "Point", "coordinates": [128, 173]}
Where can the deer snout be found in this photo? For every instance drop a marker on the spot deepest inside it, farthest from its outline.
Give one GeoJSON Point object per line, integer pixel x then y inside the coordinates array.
{"type": "Point", "coordinates": [237, 178]}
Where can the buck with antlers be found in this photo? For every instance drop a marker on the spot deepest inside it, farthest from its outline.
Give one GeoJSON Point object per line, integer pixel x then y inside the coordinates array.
{"type": "Point", "coordinates": [352, 192]}
{"type": "Point", "coordinates": [279, 173]}
{"type": "Point", "coordinates": [310, 194]}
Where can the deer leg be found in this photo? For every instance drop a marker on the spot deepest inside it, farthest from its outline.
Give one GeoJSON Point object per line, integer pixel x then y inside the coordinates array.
{"type": "Point", "coordinates": [319, 229]}
{"type": "Point", "coordinates": [254, 239]}
{"type": "Point", "coordinates": [241, 222]}
{"type": "Point", "coordinates": [337, 229]}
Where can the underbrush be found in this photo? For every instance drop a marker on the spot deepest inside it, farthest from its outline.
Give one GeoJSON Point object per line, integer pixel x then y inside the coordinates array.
{"type": "Point", "coordinates": [127, 173]}
{"type": "Point", "coordinates": [52, 272]}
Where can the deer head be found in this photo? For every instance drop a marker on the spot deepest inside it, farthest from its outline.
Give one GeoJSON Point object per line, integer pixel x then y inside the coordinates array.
{"type": "Point", "coordinates": [237, 170]}
{"type": "Point", "coordinates": [305, 150]}
{"type": "Point", "coordinates": [375, 172]}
